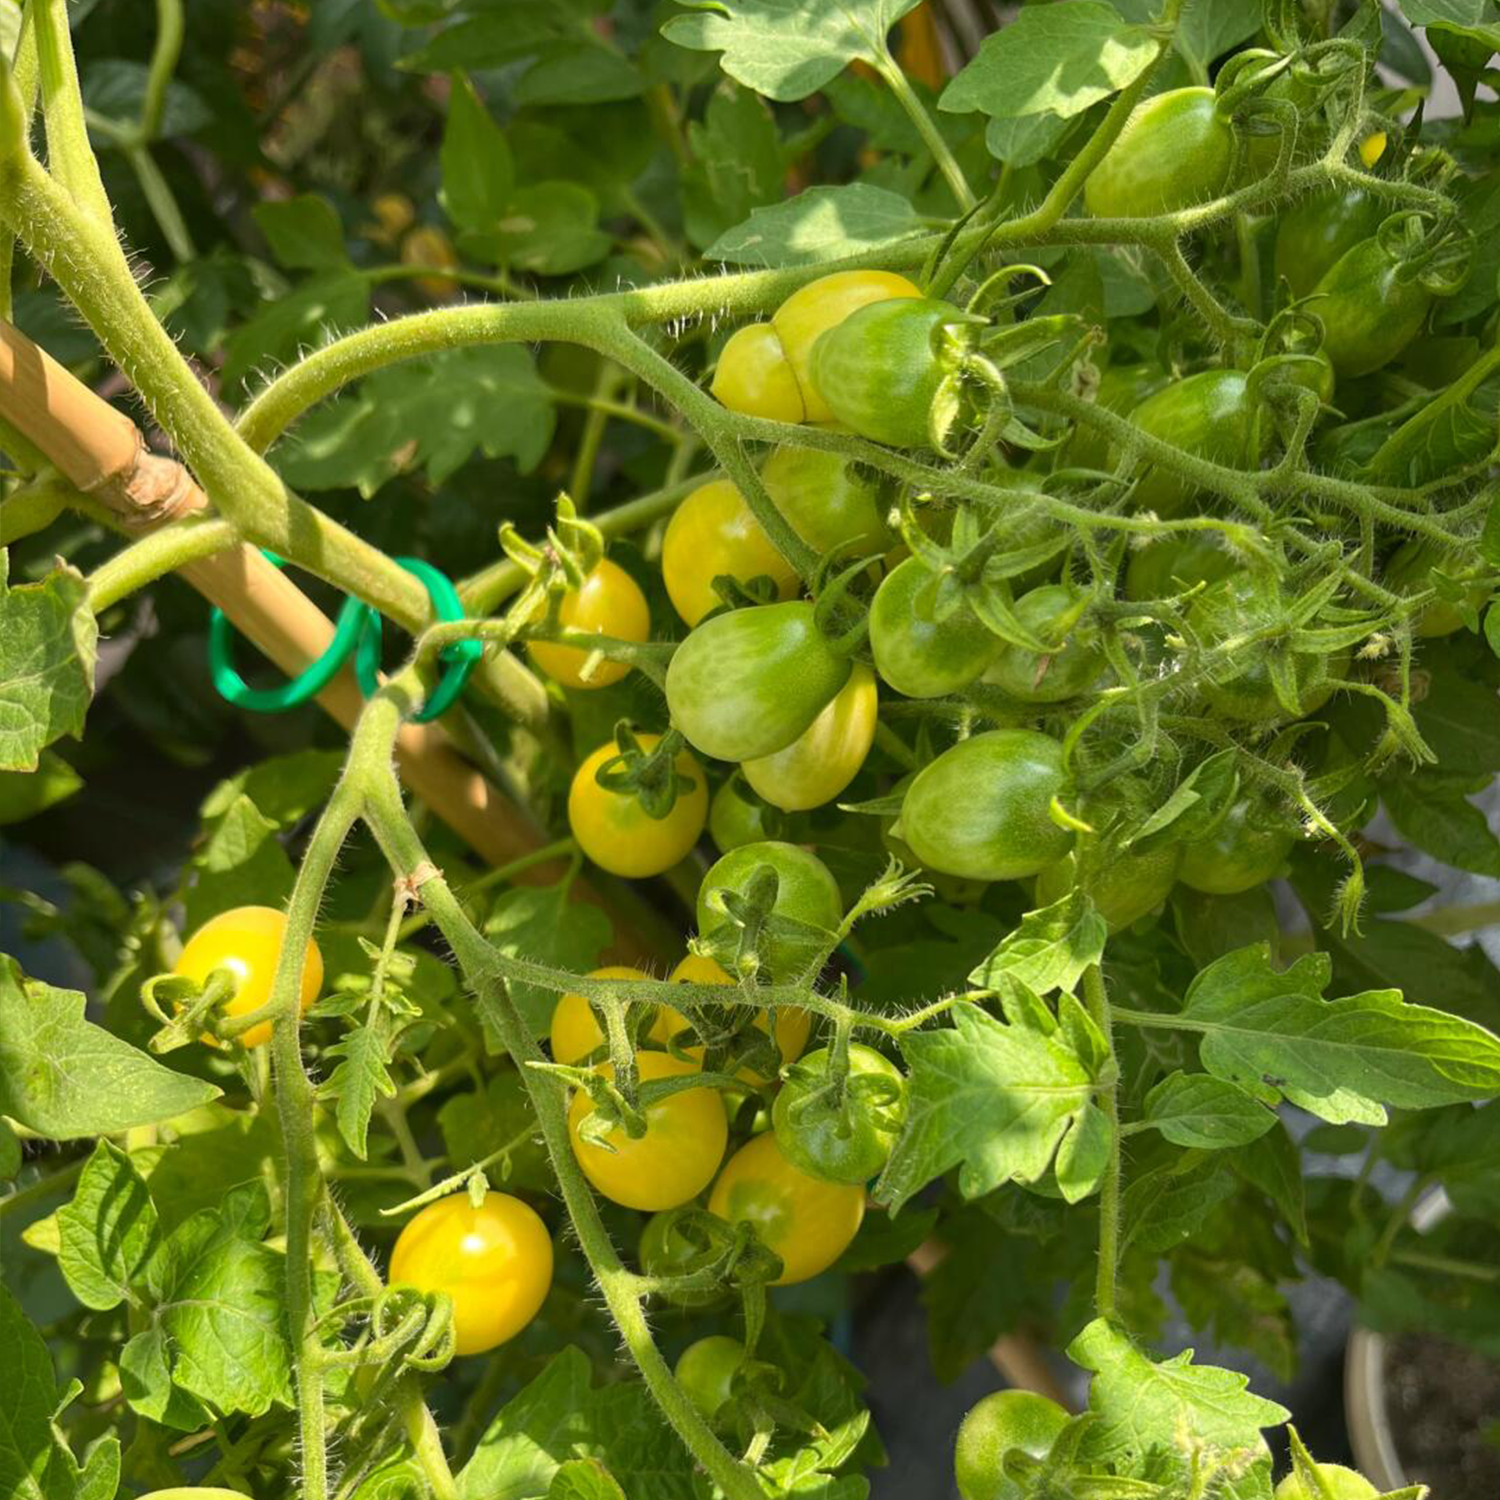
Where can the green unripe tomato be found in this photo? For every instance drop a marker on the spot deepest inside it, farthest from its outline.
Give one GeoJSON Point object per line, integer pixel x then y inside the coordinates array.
{"type": "Point", "coordinates": [1407, 571]}
{"type": "Point", "coordinates": [735, 820]}
{"type": "Point", "coordinates": [1122, 388]}
{"type": "Point", "coordinates": [846, 1142]}
{"type": "Point", "coordinates": [194, 1492]}
{"type": "Point", "coordinates": [879, 370]}
{"type": "Point", "coordinates": [1369, 313]}
{"type": "Point", "coordinates": [1340, 1484]}
{"type": "Point", "coordinates": [1123, 890]}
{"type": "Point", "coordinates": [665, 1250]}
{"type": "Point", "coordinates": [949, 888]}
{"type": "Point", "coordinates": [1175, 564]}
{"type": "Point", "coordinates": [1029, 677]}
{"type": "Point", "coordinates": [1175, 150]}
{"type": "Point", "coordinates": [805, 893]}
{"type": "Point", "coordinates": [746, 683]}
{"type": "Point", "coordinates": [1206, 415]}
{"type": "Point", "coordinates": [1313, 234]}
{"type": "Point", "coordinates": [827, 500]}
{"type": "Point", "coordinates": [1003, 1422]}
{"type": "Point", "coordinates": [981, 809]}
{"type": "Point", "coordinates": [1240, 605]}
{"type": "Point", "coordinates": [1247, 848]}
{"type": "Point", "coordinates": [916, 654]}
{"type": "Point", "coordinates": [706, 1371]}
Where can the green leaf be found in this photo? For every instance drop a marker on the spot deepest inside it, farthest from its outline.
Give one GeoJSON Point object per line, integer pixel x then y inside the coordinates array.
{"type": "Point", "coordinates": [304, 233]}
{"type": "Point", "coordinates": [1210, 28]}
{"type": "Point", "coordinates": [1459, 717]}
{"type": "Point", "coordinates": [1025, 140]}
{"type": "Point", "coordinates": [1165, 1204]}
{"type": "Point", "coordinates": [1140, 1404]}
{"type": "Point", "coordinates": [739, 164]}
{"type": "Point", "coordinates": [242, 863]}
{"type": "Point", "coordinates": [209, 1150]}
{"type": "Point", "coordinates": [64, 1077]}
{"type": "Point", "coordinates": [436, 412]}
{"type": "Point", "coordinates": [993, 1097]}
{"type": "Point", "coordinates": [1342, 1060]}
{"type": "Point", "coordinates": [550, 229]}
{"type": "Point", "coordinates": [478, 173]}
{"type": "Point", "coordinates": [824, 223]}
{"type": "Point", "coordinates": [283, 788]}
{"type": "Point", "coordinates": [1437, 817]}
{"type": "Point", "coordinates": [1192, 1109]}
{"type": "Point", "coordinates": [1197, 804]}
{"type": "Point", "coordinates": [1057, 58]}
{"type": "Point", "coordinates": [35, 1462]}
{"type": "Point", "coordinates": [477, 1124]}
{"type": "Point", "coordinates": [23, 794]}
{"type": "Point", "coordinates": [146, 1381]}
{"type": "Point", "coordinates": [1050, 949]}
{"type": "Point", "coordinates": [116, 88]}
{"type": "Point", "coordinates": [107, 1231]}
{"type": "Point", "coordinates": [362, 1075]}
{"type": "Point", "coordinates": [579, 70]}
{"type": "Point", "coordinates": [584, 1479]}
{"type": "Point", "coordinates": [1460, 1147]}
{"type": "Point", "coordinates": [331, 303]}
{"type": "Point", "coordinates": [1083, 1156]}
{"type": "Point", "coordinates": [10, 1152]}
{"type": "Point", "coordinates": [1208, 927]}
{"type": "Point", "coordinates": [787, 49]}
{"type": "Point", "coordinates": [48, 642]}
{"type": "Point", "coordinates": [547, 926]}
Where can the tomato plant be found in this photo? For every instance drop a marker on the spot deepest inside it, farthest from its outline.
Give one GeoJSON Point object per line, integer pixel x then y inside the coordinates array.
{"type": "Point", "coordinates": [980, 525]}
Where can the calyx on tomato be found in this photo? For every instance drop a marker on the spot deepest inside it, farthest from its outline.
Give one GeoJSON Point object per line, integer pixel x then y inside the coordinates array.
{"type": "Point", "coordinates": [714, 533]}
{"type": "Point", "coordinates": [1003, 1422]}
{"type": "Point", "coordinates": [1055, 612]}
{"type": "Point", "coordinates": [918, 653]}
{"type": "Point", "coordinates": [840, 1133]}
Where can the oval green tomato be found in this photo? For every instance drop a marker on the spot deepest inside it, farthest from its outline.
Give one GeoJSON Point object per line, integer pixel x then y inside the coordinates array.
{"type": "Point", "coordinates": [981, 809]}
{"type": "Point", "coordinates": [1312, 234]}
{"type": "Point", "coordinates": [1123, 890]}
{"type": "Point", "coordinates": [827, 500]}
{"type": "Point", "coordinates": [1369, 313]}
{"type": "Point", "coordinates": [1247, 848]}
{"type": "Point", "coordinates": [848, 1140]}
{"type": "Point", "coordinates": [736, 817]}
{"type": "Point", "coordinates": [746, 683]}
{"type": "Point", "coordinates": [1175, 564]}
{"type": "Point", "coordinates": [1175, 150]}
{"type": "Point", "coordinates": [1241, 605]}
{"type": "Point", "coordinates": [1206, 415]}
{"type": "Point", "coordinates": [879, 370]}
{"type": "Point", "coordinates": [706, 1371]}
{"type": "Point", "coordinates": [1003, 1422]}
{"type": "Point", "coordinates": [1073, 668]}
{"type": "Point", "coordinates": [827, 755]}
{"type": "Point", "coordinates": [806, 893]}
{"type": "Point", "coordinates": [916, 654]}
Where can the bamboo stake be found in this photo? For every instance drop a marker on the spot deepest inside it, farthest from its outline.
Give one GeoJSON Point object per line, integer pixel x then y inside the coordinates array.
{"type": "Point", "coordinates": [103, 454]}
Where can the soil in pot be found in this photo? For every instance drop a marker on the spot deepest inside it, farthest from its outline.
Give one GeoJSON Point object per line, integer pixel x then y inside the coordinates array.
{"type": "Point", "coordinates": [1444, 1405]}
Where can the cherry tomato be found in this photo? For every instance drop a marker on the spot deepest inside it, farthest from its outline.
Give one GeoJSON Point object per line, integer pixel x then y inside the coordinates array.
{"type": "Point", "coordinates": [1240, 605]}
{"type": "Point", "coordinates": [247, 941]}
{"type": "Point", "coordinates": [1207, 415]}
{"type": "Point", "coordinates": [677, 1156]}
{"type": "Point", "coordinates": [1124, 888]}
{"type": "Point", "coordinates": [609, 602]}
{"type": "Point", "coordinates": [1122, 388]}
{"type": "Point", "coordinates": [1073, 669]}
{"type": "Point", "coordinates": [714, 533]}
{"type": "Point", "coordinates": [1176, 150]}
{"type": "Point", "coordinates": [1408, 571]}
{"type": "Point", "coordinates": [428, 246]}
{"type": "Point", "coordinates": [667, 1250]}
{"type": "Point", "coordinates": [845, 1141]}
{"type": "Point", "coordinates": [576, 1030]}
{"type": "Point", "coordinates": [1369, 312]}
{"type": "Point", "coordinates": [805, 893]}
{"type": "Point", "coordinates": [824, 304]}
{"type": "Point", "coordinates": [746, 683]}
{"type": "Point", "coordinates": [1248, 848]}
{"type": "Point", "coordinates": [793, 1024]}
{"type": "Point", "coordinates": [880, 369]}
{"type": "Point", "coordinates": [616, 831]}
{"type": "Point", "coordinates": [1337, 1483]}
{"type": "Point", "coordinates": [706, 1370]}
{"type": "Point", "coordinates": [827, 755]}
{"type": "Point", "coordinates": [916, 654]}
{"type": "Point", "coordinates": [494, 1261]}
{"type": "Point", "coordinates": [1003, 1422]}
{"type": "Point", "coordinates": [1314, 233]}
{"type": "Point", "coordinates": [808, 1223]}
{"type": "Point", "coordinates": [948, 888]}
{"type": "Point", "coordinates": [1174, 564]}
{"type": "Point", "coordinates": [827, 500]}
{"type": "Point", "coordinates": [980, 810]}
{"type": "Point", "coordinates": [753, 376]}
{"type": "Point", "coordinates": [736, 818]}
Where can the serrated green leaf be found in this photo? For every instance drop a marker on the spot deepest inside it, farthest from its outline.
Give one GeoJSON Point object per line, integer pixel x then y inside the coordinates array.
{"type": "Point", "coordinates": [1193, 1109]}
{"type": "Point", "coordinates": [361, 1075]}
{"type": "Point", "coordinates": [823, 223]}
{"type": "Point", "coordinates": [48, 643]}
{"type": "Point", "coordinates": [304, 232]}
{"type": "Point", "coordinates": [584, 1479]}
{"type": "Point", "coordinates": [331, 303]}
{"type": "Point", "coordinates": [1050, 949]}
{"type": "Point", "coordinates": [1438, 818]}
{"type": "Point", "coordinates": [107, 1231]}
{"type": "Point", "coordinates": [1163, 1205]}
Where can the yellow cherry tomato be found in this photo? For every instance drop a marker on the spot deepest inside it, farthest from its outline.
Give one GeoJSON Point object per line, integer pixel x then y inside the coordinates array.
{"type": "Point", "coordinates": [247, 941]}
{"type": "Point", "coordinates": [821, 305]}
{"type": "Point", "coordinates": [494, 1261]}
{"type": "Point", "coordinates": [609, 602]}
{"type": "Point", "coordinates": [827, 755]}
{"type": "Point", "coordinates": [617, 832]}
{"type": "Point", "coordinates": [674, 1160]}
{"type": "Point", "coordinates": [1372, 148]}
{"type": "Point", "coordinates": [425, 245]}
{"type": "Point", "coordinates": [713, 533]}
{"type": "Point", "coordinates": [806, 1221]}
{"type": "Point", "coordinates": [753, 376]}
{"type": "Point", "coordinates": [793, 1024]}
